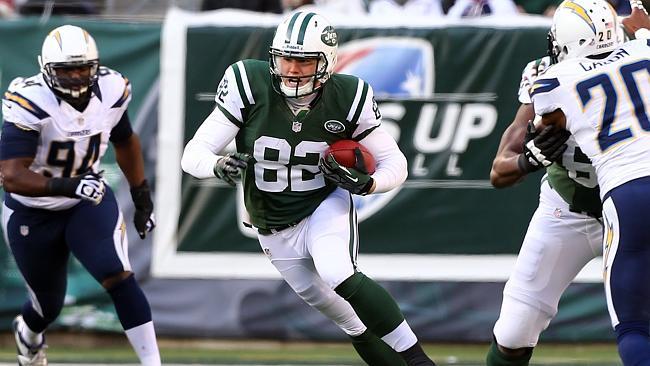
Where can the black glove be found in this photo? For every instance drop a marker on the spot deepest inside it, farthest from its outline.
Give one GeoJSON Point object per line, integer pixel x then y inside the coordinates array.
{"type": "Point", "coordinates": [143, 218]}
{"type": "Point", "coordinates": [543, 148]}
{"type": "Point", "coordinates": [88, 186]}
{"type": "Point", "coordinates": [356, 180]}
{"type": "Point", "coordinates": [229, 167]}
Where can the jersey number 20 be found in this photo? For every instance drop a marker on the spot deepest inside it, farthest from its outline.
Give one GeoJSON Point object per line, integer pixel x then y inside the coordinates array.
{"type": "Point", "coordinates": [628, 72]}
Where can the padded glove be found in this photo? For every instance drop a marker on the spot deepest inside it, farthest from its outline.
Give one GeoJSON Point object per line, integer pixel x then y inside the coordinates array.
{"type": "Point", "coordinates": [356, 180]}
{"type": "Point", "coordinates": [143, 218]}
{"type": "Point", "coordinates": [229, 167]}
{"type": "Point", "coordinates": [543, 148]}
{"type": "Point", "coordinates": [88, 186]}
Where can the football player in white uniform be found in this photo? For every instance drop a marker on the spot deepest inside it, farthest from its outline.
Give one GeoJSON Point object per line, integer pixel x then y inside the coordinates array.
{"type": "Point", "coordinates": [564, 233]}
{"type": "Point", "coordinates": [56, 128]}
{"type": "Point", "coordinates": [305, 217]}
{"type": "Point", "coordinates": [598, 92]}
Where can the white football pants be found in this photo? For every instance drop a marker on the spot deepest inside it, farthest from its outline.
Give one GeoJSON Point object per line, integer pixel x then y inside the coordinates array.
{"type": "Point", "coordinates": [557, 245]}
{"type": "Point", "coordinates": [317, 255]}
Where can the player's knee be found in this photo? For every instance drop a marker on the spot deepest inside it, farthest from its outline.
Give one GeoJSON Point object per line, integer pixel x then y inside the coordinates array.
{"type": "Point", "coordinates": [334, 307]}
{"type": "Point", "coordinates": [336, 276]}
{"type": "Point", "coordinates": [519, 325]}
{"type": "Point", "coordinates": [114, 279]}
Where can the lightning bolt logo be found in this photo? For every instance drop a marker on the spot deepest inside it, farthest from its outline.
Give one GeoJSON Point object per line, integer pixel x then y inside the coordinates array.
{"type": "Point", "coordinates": [609, 239]}
{"type": "Point", "coordinates": [579, 11]}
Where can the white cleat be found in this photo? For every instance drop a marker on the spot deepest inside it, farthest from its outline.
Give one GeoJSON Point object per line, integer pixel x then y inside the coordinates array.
{"type": "Point", "coordinates": [28, 355]}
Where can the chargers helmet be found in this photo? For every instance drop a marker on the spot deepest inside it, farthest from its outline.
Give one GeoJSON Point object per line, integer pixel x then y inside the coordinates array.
{"type": "Point", "coordinates": [304, 35]}
{"type": "Point", "coordinates": [583, 28]}
{"type": "Point", "coordinates": [69, 46]}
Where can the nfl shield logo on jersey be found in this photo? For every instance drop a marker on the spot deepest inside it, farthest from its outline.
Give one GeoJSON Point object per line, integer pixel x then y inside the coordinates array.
{"type": "Point", "coordinates": [24, 230]}
{"type": "Point", "coordinates": [296, 126]}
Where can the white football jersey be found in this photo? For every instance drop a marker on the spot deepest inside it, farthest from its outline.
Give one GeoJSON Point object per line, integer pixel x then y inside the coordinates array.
{"type": "Point", "coordinates": [605, 103]}
{"type": "Point", "coordinates": [578, 168]}
{"type": "Point", "coordinates": [70, 142]}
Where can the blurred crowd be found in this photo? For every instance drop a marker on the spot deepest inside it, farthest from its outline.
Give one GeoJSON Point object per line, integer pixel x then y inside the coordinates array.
{"type": "Point", "coordinates": [449, 8]}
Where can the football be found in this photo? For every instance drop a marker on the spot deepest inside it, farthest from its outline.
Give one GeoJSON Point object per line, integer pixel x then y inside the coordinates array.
{"type": "Point", "coordinates": [343, 152]}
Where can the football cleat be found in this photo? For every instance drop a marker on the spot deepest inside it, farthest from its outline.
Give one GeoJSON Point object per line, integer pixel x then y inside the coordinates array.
{"type": "Point", "coordinates": [28, 355]}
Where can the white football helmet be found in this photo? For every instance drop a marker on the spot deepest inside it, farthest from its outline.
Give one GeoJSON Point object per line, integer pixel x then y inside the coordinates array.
{"type": "Point", "coordinates": [304, 35]}
{"type": "Point", "coordinates": [583, 28]}
{"type": "Point", "coordinates": [69, 46]}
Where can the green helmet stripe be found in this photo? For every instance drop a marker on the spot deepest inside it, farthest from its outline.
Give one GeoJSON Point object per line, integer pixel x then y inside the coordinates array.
{"type": "Point", "coordinates": [303, 27]}
{"type": "Point", "coordinates": [290, 27]}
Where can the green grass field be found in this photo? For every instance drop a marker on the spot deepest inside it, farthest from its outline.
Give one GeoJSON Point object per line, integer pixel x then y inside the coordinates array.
{"type": "Point", "coordinates": [88, 348]}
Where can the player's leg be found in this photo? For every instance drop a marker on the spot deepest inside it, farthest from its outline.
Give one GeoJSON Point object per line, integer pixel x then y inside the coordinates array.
{"type": "Point", "coordinates": [557, 245]}
{"type": "Point", "coordinates": [301, 276]}
{"type": "Point", "coordinates": [97, 238]}
{"type": "Point", "coordinates": [627, 268]}
{"type": "Point", "coordinates": [35, 238]}
{"type": "Point", "coordinates": [333, 244]}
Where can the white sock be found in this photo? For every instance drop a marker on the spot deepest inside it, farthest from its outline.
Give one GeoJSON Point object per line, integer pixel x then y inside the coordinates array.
{"type": "Point", "coordinates": [32, 338]}
{"type": "Point", "coordinates": [401, 338]}
{"type": "Point", "coordinates": [143, 341]}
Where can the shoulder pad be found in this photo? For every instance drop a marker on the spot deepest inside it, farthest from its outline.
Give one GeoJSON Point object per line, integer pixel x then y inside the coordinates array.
{"type": "Point", "coordinates": [115, 89]}
{"type": "Point", "coordinates": [240, 75]}
{"type": "Point", "coordinates": [361, 89]}
{"type": "Point", "coordinates": [25, 100]}
{"type": "Point", "coordinates": [544, 85]}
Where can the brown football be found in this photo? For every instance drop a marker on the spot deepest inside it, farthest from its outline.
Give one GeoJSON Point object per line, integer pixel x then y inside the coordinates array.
{"type": "Point", "coordinates": [343, 152]}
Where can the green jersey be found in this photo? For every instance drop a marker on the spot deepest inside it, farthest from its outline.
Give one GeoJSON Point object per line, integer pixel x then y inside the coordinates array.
{"type": "Point", "coordinates": [574, 178]}
{"type": "Point", "coordinates": [283, 185]}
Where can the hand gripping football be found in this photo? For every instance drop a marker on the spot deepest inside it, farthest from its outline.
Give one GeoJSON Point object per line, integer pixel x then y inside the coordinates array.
{"type": "Point", "coordinates": [343, 152]}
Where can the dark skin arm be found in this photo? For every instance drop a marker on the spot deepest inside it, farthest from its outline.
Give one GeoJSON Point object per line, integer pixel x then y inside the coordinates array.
{"type": "Point", "coordinates": [128, 155]}
{"type": "Point", "coordinates": [555, 118]}
{"type": "Point", "coordinates": [636, 20]}
{"type": "Point", "coordinates": [505, 170]}
{"type": "Point", "coordinates": [17, 178]}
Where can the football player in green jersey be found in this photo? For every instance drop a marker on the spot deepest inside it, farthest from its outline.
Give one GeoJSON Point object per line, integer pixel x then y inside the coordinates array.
{"type": "Point", "coordinates": [302, 207]}
{"type": "Point", "coordinates": [564, 233]}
